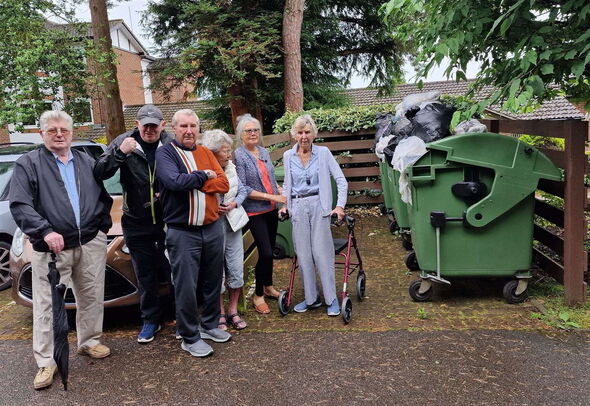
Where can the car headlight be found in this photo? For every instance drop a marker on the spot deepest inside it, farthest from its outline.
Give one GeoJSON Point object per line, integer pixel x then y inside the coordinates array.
{"type": "Point", "coordinates": [18, 242]}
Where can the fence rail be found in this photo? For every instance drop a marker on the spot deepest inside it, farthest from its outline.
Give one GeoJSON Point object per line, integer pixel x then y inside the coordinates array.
{"type": "Point", "coordinates": [569, 246]}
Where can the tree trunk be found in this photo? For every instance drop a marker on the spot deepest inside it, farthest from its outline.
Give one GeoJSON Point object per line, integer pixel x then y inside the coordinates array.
{"type": "Point", "coordinates": [292, 20]}
{"type": "Point", "coordinates": [238, 102]}
{"type": "Point", "coordinates": [106, 70]}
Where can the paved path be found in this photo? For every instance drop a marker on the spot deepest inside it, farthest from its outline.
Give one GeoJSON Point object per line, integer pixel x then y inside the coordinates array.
{"type": "Point", "coordinates": [393, 368]}
{"type": "Point", "coordinates": [465, 347]}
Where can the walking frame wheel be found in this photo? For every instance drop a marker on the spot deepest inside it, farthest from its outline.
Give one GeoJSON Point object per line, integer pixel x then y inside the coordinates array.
{"type": "Point", "coordinates": [346, 310]}
{"type": "Point", "coordinates": [282, 303]}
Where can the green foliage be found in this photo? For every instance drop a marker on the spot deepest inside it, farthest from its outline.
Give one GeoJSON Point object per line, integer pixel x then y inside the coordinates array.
{"type": "Point", "coordinates": [217, 44]}
{"type": "Point", "coordinates": [554, 312]}
{"type": "Point", "coordinates": [346, 119]}
{"type": "Point", "coordinates": [524, 47]}
{"type": "Point", "coordinates": [543, 142]}
{"type": "Point", "coordinates": [421, 313]}
{"type": "Point", "coordinates": [37, 61]}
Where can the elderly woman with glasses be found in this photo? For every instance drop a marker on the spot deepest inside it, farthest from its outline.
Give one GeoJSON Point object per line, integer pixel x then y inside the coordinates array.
{"type": "Point", "coordinates": [256, 173]}
{"type": "Point", "coordinates": [308, 190]}
{"type": "Point", "coordinates": [235, 218]}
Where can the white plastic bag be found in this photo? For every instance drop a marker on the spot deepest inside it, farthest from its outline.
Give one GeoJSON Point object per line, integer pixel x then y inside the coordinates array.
{"type": "Point", "coordinates": [406, 154]}
{"type": "Point", "coordinates": [470, 126]}
{"type": "Point", "coordinates": [415, 99]}
{"type": "Point", "coordinates": [383, 142]}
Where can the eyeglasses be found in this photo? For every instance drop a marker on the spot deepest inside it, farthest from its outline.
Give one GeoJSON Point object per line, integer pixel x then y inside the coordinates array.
{"type": "Point", "coordinates": [54, 131]}
{"type": "Point", "coordinates": [252, 130]}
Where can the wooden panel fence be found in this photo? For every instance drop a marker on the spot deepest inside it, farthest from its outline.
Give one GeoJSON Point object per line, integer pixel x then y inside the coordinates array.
{"type": "Point", "coordinates": [563, 255]}
{"type": "Point", "coordinates": [354, 153]}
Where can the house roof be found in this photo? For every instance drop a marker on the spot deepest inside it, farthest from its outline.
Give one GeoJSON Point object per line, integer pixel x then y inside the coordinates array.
{"type": "Point", "coordinates": [555, 109]}
{"type": "Point", "coordinates": [85, 30]}
{"type": "Point", "coordinates": [168, 110]}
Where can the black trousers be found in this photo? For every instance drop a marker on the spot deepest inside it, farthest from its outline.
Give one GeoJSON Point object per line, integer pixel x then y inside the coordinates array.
{"type": "Point", "coordinates": [264, 230]}
{"type": "Point", "coordinates": [196, 256]}
{"type": "Point", "coordinates": [146, 245]}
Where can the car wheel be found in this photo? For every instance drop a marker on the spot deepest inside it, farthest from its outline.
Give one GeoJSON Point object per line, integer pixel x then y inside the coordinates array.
{"type": "Point", "coordinates": [5, 279]}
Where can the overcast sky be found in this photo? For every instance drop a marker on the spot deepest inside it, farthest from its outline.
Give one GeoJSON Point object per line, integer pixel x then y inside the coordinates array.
{"type": "Point", "coordinates": [130, 11]}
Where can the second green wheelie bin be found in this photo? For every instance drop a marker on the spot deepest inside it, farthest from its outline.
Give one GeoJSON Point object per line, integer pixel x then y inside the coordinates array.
{"type": "Point", "coordinates": [385, 187]}
{"type": "Point", "coordinates": [472, 211]}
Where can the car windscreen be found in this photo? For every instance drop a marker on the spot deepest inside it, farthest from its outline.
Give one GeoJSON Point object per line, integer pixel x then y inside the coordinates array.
{"type": "Point", "coordinates": [113, 186]}
{"type": "Point", "coordinates": [6, 169]}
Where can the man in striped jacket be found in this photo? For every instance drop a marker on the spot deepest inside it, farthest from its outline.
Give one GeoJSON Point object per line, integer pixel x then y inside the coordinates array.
{"type": "Point", "coordinates": [190, 179]}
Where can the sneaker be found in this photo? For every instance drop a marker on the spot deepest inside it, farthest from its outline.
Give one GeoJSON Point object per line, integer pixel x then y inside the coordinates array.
{"type": "Point", "coordinates": [303, 307]}
{"type": "Point", "coordinates": [334, 308]}
{"type": "Point", "coordinates": [98, 351]}
{"type": "Point", "coordinates": [198, 349]}
{"type": "Point", "coordinates": [148, 332]}
{"type": "Point", "coordinates": [215, 334]}
{"type": "Point", "coordinates": [44, 377]}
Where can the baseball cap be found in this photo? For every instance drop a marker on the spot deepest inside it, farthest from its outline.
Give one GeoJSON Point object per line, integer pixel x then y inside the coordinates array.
{"type": "Point", "coordinates": [149, 114]}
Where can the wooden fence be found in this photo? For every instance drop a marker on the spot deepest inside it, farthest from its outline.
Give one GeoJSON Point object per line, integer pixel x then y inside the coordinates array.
{"type": "Point", "coordinates": [354, 153]}
{"type": "Point", "coordinates": [568, 245]}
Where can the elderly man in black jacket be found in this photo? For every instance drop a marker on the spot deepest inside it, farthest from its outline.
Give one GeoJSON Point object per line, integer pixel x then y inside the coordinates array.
{"type": "Point", "coordinates": [134, 154]}
{"type": "Point", "coordinates": [57, 202]}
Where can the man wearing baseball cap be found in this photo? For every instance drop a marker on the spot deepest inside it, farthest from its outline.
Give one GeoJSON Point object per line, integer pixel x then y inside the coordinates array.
{"type": "Point", "coordinates": [143, 228]}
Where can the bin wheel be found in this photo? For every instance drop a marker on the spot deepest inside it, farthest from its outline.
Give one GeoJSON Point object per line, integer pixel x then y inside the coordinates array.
{"type": "Point", "coordinates": [282, 303]}
{"type": "Point", "coordinates": [407, 242]}
{"type": "Point", "coordinates": [278, 252]}
{"type": "Point", "coordinates": [382, 209]}
{"type": "Point", "coordinates": [411, 261]}
{"type": "Point", "coordinates": [361, 280]}
{"type": "Point", "coordinates": [346, 310]}
{"type": "Point", "coordinates": [415, 292]}
{"type": "Point", "coordinates": [393, 227]}
{"type": "Point", "coordinates": [510, 295]}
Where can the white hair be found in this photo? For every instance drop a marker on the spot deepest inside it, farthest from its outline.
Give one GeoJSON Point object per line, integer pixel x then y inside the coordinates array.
{"type": "Point", "coordinates": [55, 115]}
{"type": "Point", "coordinates": [242, 121]}
{"type": "Point", "coordinates": [184, 112]}
{"type": "Point", "coordinates": [300, 123]}
{"type": "Point", "coordinates": [214, 139]}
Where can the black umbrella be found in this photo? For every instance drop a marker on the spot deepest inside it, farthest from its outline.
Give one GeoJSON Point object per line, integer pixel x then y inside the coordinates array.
{"type": "Point", "coordinates": [61, 347]}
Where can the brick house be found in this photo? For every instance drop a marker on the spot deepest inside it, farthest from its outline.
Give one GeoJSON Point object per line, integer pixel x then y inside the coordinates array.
{"type": "Point", "coordinates": [133, 75]}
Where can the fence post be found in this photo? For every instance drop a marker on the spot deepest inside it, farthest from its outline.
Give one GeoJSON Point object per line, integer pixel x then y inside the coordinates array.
{"type": "Point", "coordinates": [574, 257]}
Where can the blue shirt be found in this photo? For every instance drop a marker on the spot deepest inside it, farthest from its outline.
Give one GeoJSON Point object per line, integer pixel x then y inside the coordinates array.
{"type": "Point", "coordinates": [68, 175]}
{"type": "Point", "coordinates": [305, 179]}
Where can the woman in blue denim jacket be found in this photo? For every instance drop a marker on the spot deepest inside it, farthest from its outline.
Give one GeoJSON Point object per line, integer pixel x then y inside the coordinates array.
{"type": "Point", "coordinates": [256, 173]}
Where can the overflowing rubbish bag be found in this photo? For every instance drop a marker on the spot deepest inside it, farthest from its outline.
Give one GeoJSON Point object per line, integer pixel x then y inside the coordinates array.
{"type": "Point", "coordinates": [431, 122]}
{"type": "Point", "coordinates": [381, 145]}
{"type": "Point", "coordinates": [470, 126]}
{"type": "Point", "coordinates": [408, 151]}
{"type": "Point", "coordinates": [414, 100]}
{"type": "Point", "coordinates": [385, 125]}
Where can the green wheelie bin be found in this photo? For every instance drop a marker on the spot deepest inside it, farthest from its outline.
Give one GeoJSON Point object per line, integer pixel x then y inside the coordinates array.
{"type": "Point", "coordinates": [401, 210]}
{"type": "Point", "coordinates": [385, 187]}
{"type": "Point", "coordinates": [472, 211]}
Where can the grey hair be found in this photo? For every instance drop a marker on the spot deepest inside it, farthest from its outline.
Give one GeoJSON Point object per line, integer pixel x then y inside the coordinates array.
{"type": "Point", "coordinates": [184, 112]}
{"type": "Point", "coordinates": [214, 139]}
{"type": "Point", "coordinates": [242, 121]}
{"type": "Point", "coordinates": [300, 122]}
{"type": "Point", "coordinates": [55, 115]}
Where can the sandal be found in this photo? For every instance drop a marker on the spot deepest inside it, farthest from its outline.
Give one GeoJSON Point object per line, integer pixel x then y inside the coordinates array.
{"type": "Point", "coordinates": [261, 307]}
{"type": "Point", "coordinates": [222, 325]}
{"type": "Point", "coordinates": [238, 324]}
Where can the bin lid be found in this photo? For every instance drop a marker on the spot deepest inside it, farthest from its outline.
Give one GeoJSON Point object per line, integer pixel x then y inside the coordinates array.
{"type": "Point", "coordinates": [517, 165]}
